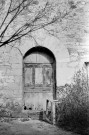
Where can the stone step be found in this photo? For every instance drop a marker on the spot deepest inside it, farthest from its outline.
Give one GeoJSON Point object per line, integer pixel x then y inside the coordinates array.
{"type": "Point", "coordinates": [32, 114]}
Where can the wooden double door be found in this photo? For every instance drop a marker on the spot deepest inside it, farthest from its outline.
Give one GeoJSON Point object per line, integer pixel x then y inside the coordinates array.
{"type": "Point", "coordinates": [38, 85]}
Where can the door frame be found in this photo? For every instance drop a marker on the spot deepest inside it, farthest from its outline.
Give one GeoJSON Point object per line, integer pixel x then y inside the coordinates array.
{"type": "Point", "coordinates": [46, 52]}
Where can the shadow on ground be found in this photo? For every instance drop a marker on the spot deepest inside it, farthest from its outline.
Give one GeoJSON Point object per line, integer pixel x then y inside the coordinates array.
{"type": "Point", "coordinates": [75, 129]}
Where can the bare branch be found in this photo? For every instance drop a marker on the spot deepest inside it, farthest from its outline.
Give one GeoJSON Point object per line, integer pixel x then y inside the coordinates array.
{"type": "Point", "coordinates": [6, 15]}
{"type": "Point", "coordinates": [18, 10]}
{"type": "Point", "coordinates": [15, 15]}
{"type": "Point", "coordinates": [33, 24]}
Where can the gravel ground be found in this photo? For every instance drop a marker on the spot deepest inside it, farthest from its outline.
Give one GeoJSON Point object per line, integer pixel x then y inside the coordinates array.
{"type": "Point", "coordinates": [29, 127]}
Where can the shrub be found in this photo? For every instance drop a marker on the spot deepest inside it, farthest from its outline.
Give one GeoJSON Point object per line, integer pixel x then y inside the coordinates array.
{"type": "Point", "coordinates": [11, 109]}
{"type": "Point", "coordinates": [73, 111]}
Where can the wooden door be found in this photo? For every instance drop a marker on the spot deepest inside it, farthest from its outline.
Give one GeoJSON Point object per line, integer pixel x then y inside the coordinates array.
{"type": "Point", "coordinates": [38, 85]}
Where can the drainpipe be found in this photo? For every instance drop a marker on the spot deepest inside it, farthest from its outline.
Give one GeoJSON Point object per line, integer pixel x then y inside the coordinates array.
{"type": "Point", "coordinates": [87, 66]}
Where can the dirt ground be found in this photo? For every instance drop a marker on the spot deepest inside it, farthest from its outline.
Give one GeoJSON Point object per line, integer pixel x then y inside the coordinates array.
{"type": "Point", "coordinates": [29, 127]}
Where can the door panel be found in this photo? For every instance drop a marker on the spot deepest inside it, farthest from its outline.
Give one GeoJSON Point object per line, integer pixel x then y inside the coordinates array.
{"type": "Point", "coordinates": [48, 76]}
{"type": "Point", "coordinates": [38, 76]}
{"type": "Point", "coordinates": [36, 100]}
{"type": "Point", "coordinates": [28, 76]}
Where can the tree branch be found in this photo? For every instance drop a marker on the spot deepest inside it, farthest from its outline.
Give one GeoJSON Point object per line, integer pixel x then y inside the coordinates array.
{"type": "Point", "coordinates": [6, 15]}
{"type": "Point", "coordinates": [32, 25]}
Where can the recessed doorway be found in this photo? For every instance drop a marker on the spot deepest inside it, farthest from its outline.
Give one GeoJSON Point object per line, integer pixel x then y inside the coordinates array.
{"type": "Point", "coordinates": [39, 78]}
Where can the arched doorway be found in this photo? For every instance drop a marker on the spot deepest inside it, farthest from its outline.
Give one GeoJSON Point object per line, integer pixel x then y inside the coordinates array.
{"type": "Point", "coordinates": [39, 80]}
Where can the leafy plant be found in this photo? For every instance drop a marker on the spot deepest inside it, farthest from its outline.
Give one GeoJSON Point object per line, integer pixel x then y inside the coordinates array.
{"type": "Point", "coordinates": [73, 111]}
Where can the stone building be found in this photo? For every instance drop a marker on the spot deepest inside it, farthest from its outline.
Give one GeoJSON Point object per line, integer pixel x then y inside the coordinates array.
{"type": "Point", "coordinates": [30, 72]}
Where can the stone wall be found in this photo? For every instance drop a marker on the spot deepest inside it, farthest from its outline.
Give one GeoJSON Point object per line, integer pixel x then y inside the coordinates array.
{"type": "Point", "coordinates": [10, 75]}
{"type": "Point", "coordinates": [11, 67]}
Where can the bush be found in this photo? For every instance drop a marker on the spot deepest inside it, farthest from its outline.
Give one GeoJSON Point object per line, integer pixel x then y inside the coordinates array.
{"type": "Point", "coordinates": [73, 111]}
{"type": "Point", "coordinates": [11, 109]}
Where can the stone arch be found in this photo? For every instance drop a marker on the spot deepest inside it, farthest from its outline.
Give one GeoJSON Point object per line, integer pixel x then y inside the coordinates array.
{"type": "Point", "coordinates": [41, 50]}
{"type": "Point", "coordinates": [53, 44]}
{"type": "Point", "coordinates": [58, 48]}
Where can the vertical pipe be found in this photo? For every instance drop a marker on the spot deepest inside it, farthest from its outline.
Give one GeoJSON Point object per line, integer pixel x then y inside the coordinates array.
{"type": "Point", "coordinates": [53, 112]}
{"type": "Point", "coordinates": [87, 76]}
{"type": "Point", "coordinates": [86, 63]}
{"type": "Point", "coordinates": [47, 107]}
